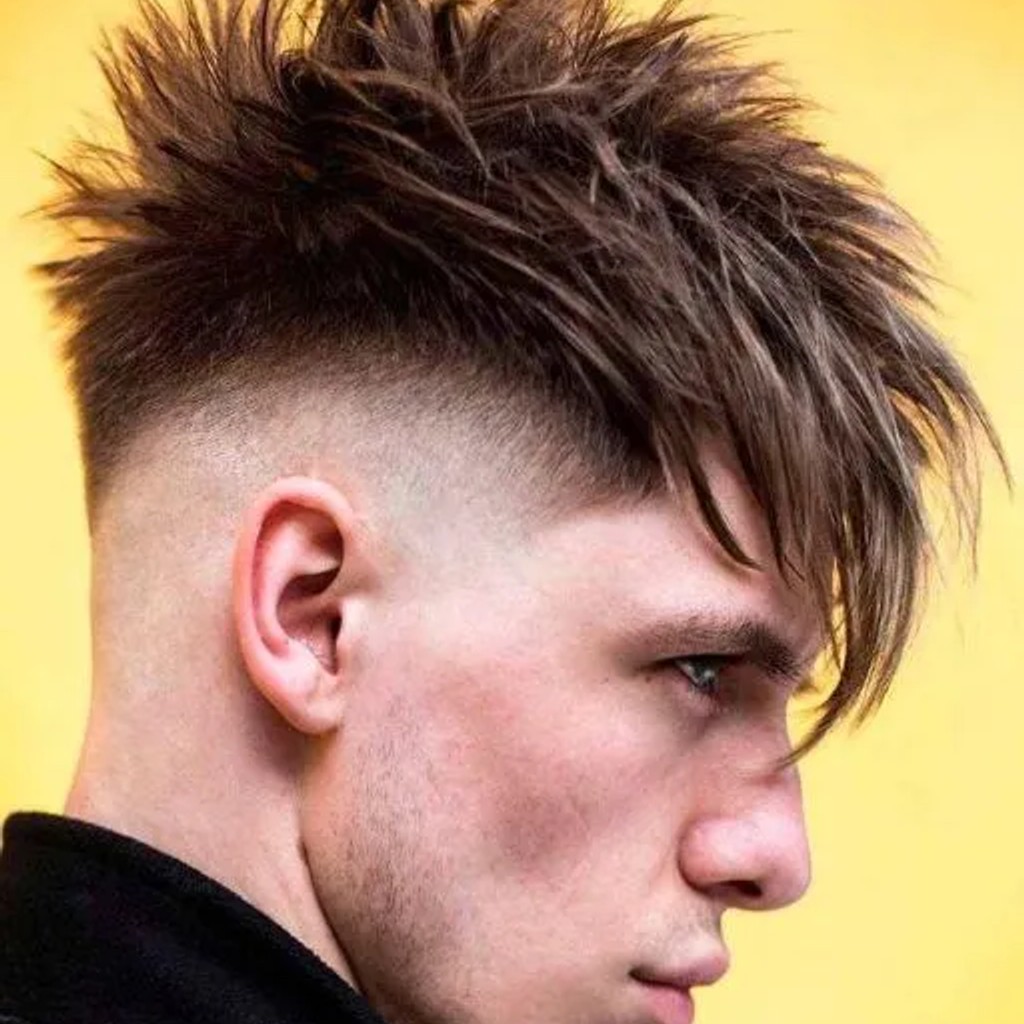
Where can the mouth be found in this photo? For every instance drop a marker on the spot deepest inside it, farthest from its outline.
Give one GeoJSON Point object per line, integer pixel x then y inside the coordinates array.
{"type": "Point", "coordinates": [667, 993]}
{"type": "Point", "coordinates": [667, 1004]}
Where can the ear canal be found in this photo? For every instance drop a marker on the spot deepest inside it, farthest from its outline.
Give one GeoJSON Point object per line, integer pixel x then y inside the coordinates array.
{"type": "Point", "coordinates": [308, 612]}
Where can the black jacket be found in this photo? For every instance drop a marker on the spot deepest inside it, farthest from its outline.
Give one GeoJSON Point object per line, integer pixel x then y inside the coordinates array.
{"type": "Point", "coordinates": [96, 928]}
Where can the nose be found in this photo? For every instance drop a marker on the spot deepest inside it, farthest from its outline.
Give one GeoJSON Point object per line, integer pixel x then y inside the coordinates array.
{"type": "Point", "coordinates": [755, 854]}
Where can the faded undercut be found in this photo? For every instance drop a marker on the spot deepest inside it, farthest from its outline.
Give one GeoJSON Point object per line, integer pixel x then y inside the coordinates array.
{"type": "Point", "coordinates": [616, 224]}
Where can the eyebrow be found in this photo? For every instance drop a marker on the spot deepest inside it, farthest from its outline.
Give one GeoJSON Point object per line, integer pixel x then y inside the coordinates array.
{"type": "Point", "coordinates": [747, 637]}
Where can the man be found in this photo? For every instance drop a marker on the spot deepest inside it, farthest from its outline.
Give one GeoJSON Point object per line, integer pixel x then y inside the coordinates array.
{"type": "Point", "coordinates": [491, 416]}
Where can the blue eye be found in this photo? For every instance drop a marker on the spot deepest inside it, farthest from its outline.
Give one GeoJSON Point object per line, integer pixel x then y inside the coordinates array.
{"type": "Point", "coordinates": [703, 672]}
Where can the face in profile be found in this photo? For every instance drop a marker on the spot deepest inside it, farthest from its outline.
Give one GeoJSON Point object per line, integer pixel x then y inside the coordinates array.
{"type": "Point", "coordinates": [559, 767]}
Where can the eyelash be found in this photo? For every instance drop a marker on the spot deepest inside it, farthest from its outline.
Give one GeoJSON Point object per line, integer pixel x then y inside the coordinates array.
{"type": "Point", "coordinates": [810, 688]}
{"type": "Point", "coordinates": [715, 662]}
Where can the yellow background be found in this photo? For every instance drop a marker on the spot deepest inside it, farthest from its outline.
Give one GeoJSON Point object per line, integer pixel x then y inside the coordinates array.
{"type": "Point", "coordinates": [916, 915]}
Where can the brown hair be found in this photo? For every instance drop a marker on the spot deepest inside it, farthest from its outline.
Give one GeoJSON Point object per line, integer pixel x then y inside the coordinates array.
{"type": "Point", "coordinates": [620, 218]}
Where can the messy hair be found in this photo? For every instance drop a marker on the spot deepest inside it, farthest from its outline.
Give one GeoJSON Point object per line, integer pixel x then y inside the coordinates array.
{"type": "Point", "coordinates": [619, 219]}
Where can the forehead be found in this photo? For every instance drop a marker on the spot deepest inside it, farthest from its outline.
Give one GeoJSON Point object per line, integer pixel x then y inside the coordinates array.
{"type": "Point", "coordinates": [657, 560]}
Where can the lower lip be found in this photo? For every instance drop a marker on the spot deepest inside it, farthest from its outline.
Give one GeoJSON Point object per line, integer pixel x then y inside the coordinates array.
{"type": "Point", "coordinates": [669, 1005]}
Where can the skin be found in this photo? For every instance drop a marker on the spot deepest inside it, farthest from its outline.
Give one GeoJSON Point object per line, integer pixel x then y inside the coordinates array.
{"type": "Point", "coordinates": [480, 768]}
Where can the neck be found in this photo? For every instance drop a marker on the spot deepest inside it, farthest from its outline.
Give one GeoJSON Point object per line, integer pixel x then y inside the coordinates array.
{"type": "Point", "coordinates": [190, 800]}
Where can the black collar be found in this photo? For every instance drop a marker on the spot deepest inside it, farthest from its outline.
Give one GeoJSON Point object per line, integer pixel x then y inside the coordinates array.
{"type": "Point", "coordinates": [96, 928]}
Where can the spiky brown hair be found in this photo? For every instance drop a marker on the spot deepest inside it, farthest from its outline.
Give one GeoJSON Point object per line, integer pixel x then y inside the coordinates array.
{"type": "Point", "coordinates": [618, 218]}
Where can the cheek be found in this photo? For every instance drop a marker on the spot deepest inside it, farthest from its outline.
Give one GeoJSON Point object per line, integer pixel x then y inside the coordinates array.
{"type": "Point", "coordinates": [530, 753]}
{"type": "Point", "coordinates": [542, 815]}
{"type": "Point", "coordinates": [555, 771]}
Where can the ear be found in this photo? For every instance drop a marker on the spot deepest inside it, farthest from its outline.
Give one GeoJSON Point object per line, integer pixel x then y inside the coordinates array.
{"type": "Point", "coordinates": [295, 584]}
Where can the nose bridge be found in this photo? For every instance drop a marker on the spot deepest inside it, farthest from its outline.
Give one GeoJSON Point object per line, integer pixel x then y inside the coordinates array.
{"type": "Point", "coordinates": [749, 845]}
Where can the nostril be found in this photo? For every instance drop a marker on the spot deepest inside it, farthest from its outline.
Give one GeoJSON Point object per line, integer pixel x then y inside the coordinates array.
{"type": "Point", "coordinates": [750, 890]}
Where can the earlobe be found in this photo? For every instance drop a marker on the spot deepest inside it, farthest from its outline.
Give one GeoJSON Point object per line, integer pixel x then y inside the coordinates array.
{"type": "Point", "coordinates": [289, 596]}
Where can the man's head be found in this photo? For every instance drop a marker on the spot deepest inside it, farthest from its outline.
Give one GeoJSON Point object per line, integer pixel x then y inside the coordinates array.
{"type": "Point", "coordinates": [489, 414]}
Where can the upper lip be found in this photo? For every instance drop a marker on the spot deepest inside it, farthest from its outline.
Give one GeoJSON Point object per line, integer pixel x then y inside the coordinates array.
{"type": "Point", "coordinates": [705, 970]}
